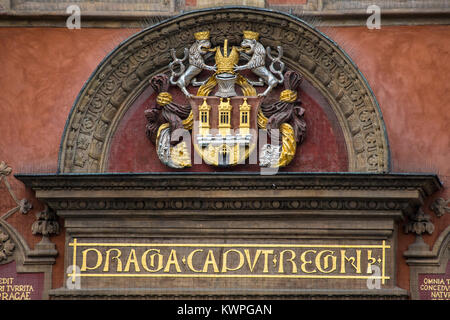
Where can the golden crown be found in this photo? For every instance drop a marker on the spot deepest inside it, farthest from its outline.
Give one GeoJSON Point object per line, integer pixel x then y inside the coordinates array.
{"type": "Point", "coordinates": [203, 35]}
{"type": "Point", "coordinates": [251, 35]}
{"type": "Point", "coordinates": [226, 62]}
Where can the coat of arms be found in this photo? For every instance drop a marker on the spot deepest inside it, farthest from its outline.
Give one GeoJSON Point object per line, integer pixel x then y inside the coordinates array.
{"type": "Point", "coordinates": [224, 118]}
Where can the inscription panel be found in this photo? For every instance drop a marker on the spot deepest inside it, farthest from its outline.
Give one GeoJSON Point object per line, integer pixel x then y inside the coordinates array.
{"type": "Point", "coordinates": [20, 286]}
{"type": "Point", "coordinates": [228, 265]}
{"type": "Point", "coordinates": [435, 286]}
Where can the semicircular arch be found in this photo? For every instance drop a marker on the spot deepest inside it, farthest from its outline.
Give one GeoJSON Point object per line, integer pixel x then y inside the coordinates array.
{"type": "Point", "coordinates": [123, 75]}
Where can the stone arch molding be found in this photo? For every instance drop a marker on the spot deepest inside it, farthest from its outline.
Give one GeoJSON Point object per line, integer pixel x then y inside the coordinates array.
{"type": "Point", "coordinates": [125, 72]}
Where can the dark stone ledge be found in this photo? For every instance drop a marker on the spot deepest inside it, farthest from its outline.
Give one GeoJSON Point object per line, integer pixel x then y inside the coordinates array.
{"type": "Point", "coordinates": [233, 192]}
{"type": "Point", "coordinates": [322, 18]}
{"type": "Point", "coordinates": [426, 183]}
{"type": "Point", "coordinates": [177, 293]}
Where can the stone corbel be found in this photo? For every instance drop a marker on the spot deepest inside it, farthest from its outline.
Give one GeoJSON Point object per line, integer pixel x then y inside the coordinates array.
{"type": "Point", "coordinates": [46, 225]}
{"type": "Point", "coordinates": [419, 223]}
{"type": "Point", "coordinates": [433, 261]}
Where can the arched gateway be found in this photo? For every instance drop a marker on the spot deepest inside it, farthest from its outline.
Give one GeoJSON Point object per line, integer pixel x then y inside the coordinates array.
{"type": "Point", "coordinates": [143, 218]}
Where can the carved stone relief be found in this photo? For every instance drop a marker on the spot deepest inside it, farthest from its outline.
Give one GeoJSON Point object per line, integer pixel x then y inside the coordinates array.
{"type": "Point", "coordinates": [126, 72]}
{"type": "Point", "coordinates": [419, 223]}
{"type": "Point", "coordinates": [7, 247]}
{"type": "Point", "coordinates": [440, 206]}
{"type": "Point", "coordinates": [46, 225]}
{"type": "Point", "coordinates": [23, 205]}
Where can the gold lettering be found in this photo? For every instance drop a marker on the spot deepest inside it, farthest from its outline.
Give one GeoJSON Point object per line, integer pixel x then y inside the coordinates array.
{"type": "Point", "coordinates": [297, 260]}
{"type": "Point", "coordinates": [326, 261]}
{"type": "Point", "coordinates": [266, 259]}
{"type": "Point", "coordinates": [225, 267]}
{"type": "Point", "coordinates": [251, 265]}
{"type": "Point", "coordinates": [291, 260]}
{"type": "Point", "coordinates": [152, 260]}
{"type": "Point", "coordinates": [119, 263]}
{"type": "Point", "coordinates": [132, 259]}
{"type": "Point", "coordinates": [173, 260]}
{"type": "Point", "coordinates": [210, 260]}
{"type": "Point", "coordinates": [305, 262]}
{"type": "Point", "coordinates": [189, 260]}
{"type": "Point", "coordinates": [370, 261]}
{"type": "Point", "coordinates": [352, 260]}
{"type": "Point", "coordinates": [84, 266]}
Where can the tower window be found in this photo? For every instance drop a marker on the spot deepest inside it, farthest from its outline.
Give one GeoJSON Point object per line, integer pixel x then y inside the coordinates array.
{"type": "Point", "coordinates": [224, 117]}
{"type": "Point", "coordinates": [204, 117]}
{"type": "Point", "coordinates": [244, 117]}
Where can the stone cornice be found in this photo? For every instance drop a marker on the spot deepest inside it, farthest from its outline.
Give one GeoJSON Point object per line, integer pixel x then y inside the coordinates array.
{"type": "Point", "coordinates": [202, 192]}
{"type": "Point", "coordinates": [323, 18]}
{"type": "Point", "coordinates": [428, 183]}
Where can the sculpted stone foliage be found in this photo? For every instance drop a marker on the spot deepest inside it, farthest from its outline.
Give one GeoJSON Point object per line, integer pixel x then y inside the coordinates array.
{"type": "Point", "coordinates": [6, 247]}
{"type": "Point", "coordinates": [5, 170]}
{"type": "Point", "coordinates": [440, 206]}
{"type": "Point", "coordinates": [126, 72]}
{"type": "Point", "coordinates": [419, 223]}
{"type": "Point", "coordinates": [46, 223]}
{"type": "Point", "coordinates": [23, 205]}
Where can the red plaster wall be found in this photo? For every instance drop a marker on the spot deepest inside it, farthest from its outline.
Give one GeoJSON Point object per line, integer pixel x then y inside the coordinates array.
{"type": "Point", "coordinates": [43, 69]}
{"type": "Point", "coordinates": [407, 69]}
